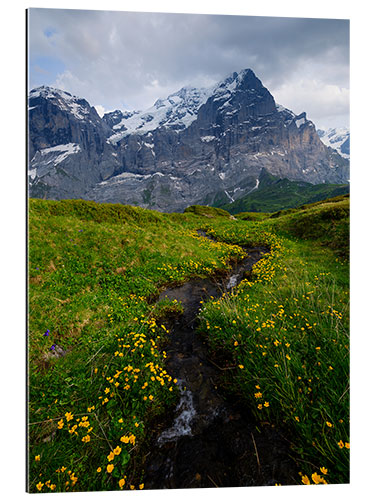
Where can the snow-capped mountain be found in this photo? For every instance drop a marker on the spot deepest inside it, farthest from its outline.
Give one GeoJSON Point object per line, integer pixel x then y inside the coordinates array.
{"type": "Point", "coordinates": [338, 139]}
{"type": "Point", "coordinates": [113, 118]}
{"type": "Point", "coordinates": [67, 145]}
{"type": "Point", "coordinates": [195, 146]}
{"type": "Point", "coordinates": [177, 112]}
{"type": "Point", "coordinates": [78, 107]}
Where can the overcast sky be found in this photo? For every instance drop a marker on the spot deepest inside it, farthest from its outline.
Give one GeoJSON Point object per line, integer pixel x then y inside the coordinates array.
{"type": "Point", "coordinates": [127, 60]}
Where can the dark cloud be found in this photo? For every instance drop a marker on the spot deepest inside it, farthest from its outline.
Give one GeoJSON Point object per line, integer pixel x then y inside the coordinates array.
{"type": "Point", "coordinates": [127, 59]}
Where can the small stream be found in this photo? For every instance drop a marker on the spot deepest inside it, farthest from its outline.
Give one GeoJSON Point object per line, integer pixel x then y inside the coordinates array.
{"type": "Point", "coordinates": [212, 440]}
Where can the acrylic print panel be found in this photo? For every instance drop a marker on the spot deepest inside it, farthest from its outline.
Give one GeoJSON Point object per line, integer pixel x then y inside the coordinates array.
{"type": "Point", "coordinates": [188, 251]}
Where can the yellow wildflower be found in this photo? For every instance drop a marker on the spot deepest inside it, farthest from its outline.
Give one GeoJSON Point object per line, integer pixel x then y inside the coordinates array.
{"type": "Point", "coordinates": [39, 486]}
{"type": "Point", "coordinates": [86, 438]}
{"type": "Point", "coordinates": [316, 478]}
{"type": "Point", "coordinates": [110, 468]}
{"type": "Point", "coordinates": [329, 424]}
{"type": "Point", "coordinates": [60, 424]}
{"type": "Point", "coordinates": [111, 456]}
{"type": "Point", "coordinates": [73, 478]}
{"type": "Point", "coordinates": [323, 470]}
{"type": "Point", "coordinates": [132, 439]}
{"type": "Point", "coordinates": [68, 416]}
{"type": "Point", "coordinates": [241, 367]}
{"type": "Point", "coordinates": [347, 445]}
{"type": "Point", "coordinates": [341, 444]}
{"type": "Point", "coordinates": [37, 458]}
{"type": "Point", "coordinates": [305, 480]}
{"type": "Point", "coordinates": [99, 469]}
{"type": "Point", "coordinates": [117, 450]}
{"type": "Point", "coordinates": [121, 483]}
{"type": "Point", "coordinates": [141, 486]}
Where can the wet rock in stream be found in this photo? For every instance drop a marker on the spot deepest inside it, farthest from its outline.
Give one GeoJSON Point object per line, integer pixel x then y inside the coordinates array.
{"type": "Point", "coordinates": [212, 441]}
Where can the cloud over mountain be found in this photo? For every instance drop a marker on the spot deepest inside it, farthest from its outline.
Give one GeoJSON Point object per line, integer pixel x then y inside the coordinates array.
{"type": "Point", "coordinates": [127, 60]}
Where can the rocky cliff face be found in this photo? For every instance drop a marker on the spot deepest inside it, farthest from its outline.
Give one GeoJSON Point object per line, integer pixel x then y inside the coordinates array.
{"type": "Point", "coordinates": [198, 146]}
{"type": "Point", "coordinates": [67, 145]}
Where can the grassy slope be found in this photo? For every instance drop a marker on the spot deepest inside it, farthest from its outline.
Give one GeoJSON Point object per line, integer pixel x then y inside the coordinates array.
{"type": "Point", "coordinates": [288, 332]}
{"type": "Point", "coordinates": [282, 194]}
{"type": "Point", "coordinates": [92, 271]}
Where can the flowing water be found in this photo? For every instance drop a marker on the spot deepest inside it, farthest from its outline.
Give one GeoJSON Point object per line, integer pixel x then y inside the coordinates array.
{"type": "Point", "coordinates": [212, 439]}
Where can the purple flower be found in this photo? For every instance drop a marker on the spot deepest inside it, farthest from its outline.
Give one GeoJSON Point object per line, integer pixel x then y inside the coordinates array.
{"type": "Point", "coordinates": [46, 334]}
{"type": "Point", "coordinates": [52, 348]}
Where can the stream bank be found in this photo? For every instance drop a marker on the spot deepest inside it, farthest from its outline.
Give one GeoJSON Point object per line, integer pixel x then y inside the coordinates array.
{"type": "Point", "coordinates": [213, 439]}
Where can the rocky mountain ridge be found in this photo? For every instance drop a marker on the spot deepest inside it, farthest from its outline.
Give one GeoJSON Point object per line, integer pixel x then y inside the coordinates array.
{"type": "Point", "coordinates": [197, 146]}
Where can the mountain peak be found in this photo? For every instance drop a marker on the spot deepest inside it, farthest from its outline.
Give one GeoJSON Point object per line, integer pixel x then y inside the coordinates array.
{"type": "Point", "coordinates": [77, 106]}
{"type": "Point", "coordinates": [176, 111]}
{"type": "Point", "coordinates": [180, 109]}
{"type": "Point", "coordinates": [243, 79]}
{"type": "Point", "coordinates": [50, 93]}
{"type": "Point", "coordinates": [196, 146]}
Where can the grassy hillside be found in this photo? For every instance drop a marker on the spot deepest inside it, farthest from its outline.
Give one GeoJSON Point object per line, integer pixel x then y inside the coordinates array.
{"type": "Point", "coordinates": [97, 378]}
{"type": "Point", "coordinates": [277, 194]}
{"type": "Point", "coordinates": [207, 211]}
{"type": "Point", "coordinates": [95, 343]}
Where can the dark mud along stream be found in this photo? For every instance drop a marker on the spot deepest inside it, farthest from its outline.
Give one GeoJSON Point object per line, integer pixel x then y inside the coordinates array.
{"type": "Point", "coordinates": [211, 440]}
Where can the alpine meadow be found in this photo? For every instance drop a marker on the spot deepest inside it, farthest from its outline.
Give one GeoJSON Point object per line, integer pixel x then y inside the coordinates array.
{"type": "Point", "coordinates": [188, 263]}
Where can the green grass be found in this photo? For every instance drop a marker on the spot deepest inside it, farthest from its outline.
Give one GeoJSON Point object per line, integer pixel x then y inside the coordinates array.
{"type": "Point", "coordinates": [288, 333]}
{"type": "Point", "coordinates": [94, 272]}
{"type": "Point", "coordinates": [326, 222]}
{"type": "Point", "coordinates": [207, 211]}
